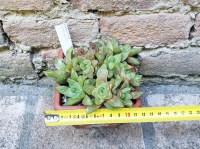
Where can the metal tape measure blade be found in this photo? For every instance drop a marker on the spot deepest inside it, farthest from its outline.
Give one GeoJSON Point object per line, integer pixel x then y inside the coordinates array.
{"type": "Point", "coordinates": [122, 115]}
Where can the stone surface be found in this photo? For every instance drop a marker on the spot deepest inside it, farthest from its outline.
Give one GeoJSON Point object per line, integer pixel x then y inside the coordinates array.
{"type": "Point", "coordinates": [49, 56]}
{"type": "Point", "coordinates": [22, 122]}
{"type": "Point", "coordinates": [15, 65]}
{"type": "Point", "coordinates": [141, 30]}
{"type": "Point", "coordinates": [195, 3]}
{"type": "Point", "coordinates": [32, 133]}
{"type": "Point", "coordinates": [197, 26]}
{"type": "Point", "coordinates": [110, 5]}
{"type": "Point", "coordinates": [176, 135]}
{"type": "Point", "coordinates": [42, 34]}
{"type": "Point", "coordinates": [170, 63]}
{"type": "Point", "coordinates": [25, 4]}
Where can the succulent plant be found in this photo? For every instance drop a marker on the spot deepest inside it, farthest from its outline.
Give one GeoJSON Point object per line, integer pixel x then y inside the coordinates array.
{"type": "Point", "coordinates": [99, 75]}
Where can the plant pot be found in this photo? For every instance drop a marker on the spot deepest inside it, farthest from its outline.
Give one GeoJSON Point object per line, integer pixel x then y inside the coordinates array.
{"type": "Point", "coordinates": [58, 104]}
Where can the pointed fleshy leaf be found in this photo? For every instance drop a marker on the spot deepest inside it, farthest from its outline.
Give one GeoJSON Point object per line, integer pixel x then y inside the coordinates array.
{"type": "Point", "coordinates": [93, 108]}
{"type": "Point", "coordinates": [124, 85]}
{"type": "Point", "coordinates": [50, 73]}
{"type": "Point", "coordinates": [118, 80]}
{"type": "Point", "coordinates": [72, 101]}
{"type": "Point", "coordinates": [126, 96]}
{"type": "Point", "coordinates": [115, 45]}
{"type": "Point", "coordinates": [110, 74]}
{"type": "Point", "coordinates": [133, 61]}
{"type": "Point", "coordinates": [69, 54]}
{"type": "Point", "coordinates": [109, 45]}
{"type": "Point", "coordinates": [127, 103]}
{"type": "Point", "coordinates": [94, 63]}
{"type": "Point", "coordinates": [62, 89]}
{"type": "Point", "coordinates": [88, 89]}
{"type": "Point", "coordinates": [74, 75]}
{"type": "Point", "coordinates": [107, 105]}
{"type": "Point", "coordinates": [136, 95]}
{"type": "Point", "coordinates": [73, 83]}
{"type": "Point", "coordinates": [75, 64]}
{"type": "Point", "coordinates": [118, 58]}
{"type": "Point", "coordinates": [126, 90]}
{"type": "Point", "coordinates": [134, 51]}
{"type": "Point", "coordinates": [124, 56]}
{"type": "Point", "coordinates": [60, 65]}
{"type": "Point", "coordinates": [61, 76]}
{"type": "Point", "coordinates": [101, 91]}
{"type": "Point", "coordinates": [98, 101]}
{"type": "Point", "coordinates": [102, 74]}
{"type": "Point", "coordinates": [115, 102]}
{"type": "Point", "coordinates": [87, 101]}
{"type": "Point", "coordinates": [81, 80]}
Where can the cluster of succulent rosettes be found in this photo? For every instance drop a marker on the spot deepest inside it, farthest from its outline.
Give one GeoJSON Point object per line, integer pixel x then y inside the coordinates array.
{"type": "Point", "coordinates": [99, 75]}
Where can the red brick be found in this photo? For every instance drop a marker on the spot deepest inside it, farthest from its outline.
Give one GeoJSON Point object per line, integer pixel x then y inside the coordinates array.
{"type": "Point", "coordinates": [110, 5]}
{"type": "Point", "coordinates": [42, 34]}
{"type": "Point", "coordinates": [154, 29]}
{"type": "Point", "coordinates": [25, 4]}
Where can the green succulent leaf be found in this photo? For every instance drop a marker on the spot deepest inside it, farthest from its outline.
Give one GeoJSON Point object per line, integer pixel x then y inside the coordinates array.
{"type": "Point", "coordinates": [118, 81]}
{"type": "Point", "coordinates": [69, 54]}
{"type": "Point", "coordinates": [62, 89]}
{"type": "Point", "coordinates": [126, 90]}
{"type": "Point", "coordinates": [127, 102]}
{"type": "Point", "coordinates": [136, 95]}
{"type": "Point", "coordinates": [115, 102]}
{"type": "Point", "coordinates": [115, 46]}
{"type": "Point", "coordinates": [101, 91]}
{"type": "Point", "coordinates": [50, 73]}
{"type": "Point", "coordinates": [133, 61]}
{"type": "Point", "coordinates": [61, 76]}
{"type": "Point", "coordinates": [72, 101]}
{"type": "Point", "coordinates": [60, 65]}
{"type": "Point", "coordinates": [107, 105]}
{"type": "Point", "coordinates": [126, 96]}
{"type": "Point", "coordinates": [74, 75]}
{"type": "Point", "coordinates": [75, 90]}
{"type": "Point", "coordinates": [124, 56]}
{"type": "Point", "coordinates": [75, 64]}
{"type": "Point", "coordinates": [86, 66]}
{"type": "Point", "coordinates": [87, 101]}
{"type": "Point", "coordinates": [88, 89]}
{"type": "Point", "coordinates": [81, 80]}
{"type": "Point", "coordinates": [93, 108]}
{"type": "Point", "coordinates": [134, 51]}
{"type": "Point", "coordinates": [102, 74]}
{"type": "Point", "coordinates": [98, 101]}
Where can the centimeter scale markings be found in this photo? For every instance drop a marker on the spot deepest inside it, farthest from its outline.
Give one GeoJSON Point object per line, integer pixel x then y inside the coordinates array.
{"type": "Point", "coordinates": [122, 115]}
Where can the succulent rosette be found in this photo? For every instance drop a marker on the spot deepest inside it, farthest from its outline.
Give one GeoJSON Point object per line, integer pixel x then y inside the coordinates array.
{"type": "Point", "coordinates": [100, 74]}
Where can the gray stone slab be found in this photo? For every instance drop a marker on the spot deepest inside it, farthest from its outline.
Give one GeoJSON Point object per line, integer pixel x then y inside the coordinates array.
{"type": "Point", "coordinates": [172, 135]}
{"type": "Point", "coordinates": [29, 130]}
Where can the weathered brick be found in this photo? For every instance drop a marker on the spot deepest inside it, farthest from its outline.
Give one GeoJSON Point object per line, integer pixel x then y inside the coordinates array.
{"type": "Point", "coordinates": [48, 56]}
{"type": "Point", "coordinates": [42, 33]}
{"type": "Point", "coordinates": [154, 29]}
{"type": "Point", "coordinates": [15, 66]}
{"type": "Point", "coordinates": [25, 4]}
{"type": "Point", "coordinates": [194, 3]}
{"type": "Point", "coordinates": [170, 63]}
{"type": "Point", "coordinates": [197, 26]}
{"type": "Point", "coordinates": [110, 5]}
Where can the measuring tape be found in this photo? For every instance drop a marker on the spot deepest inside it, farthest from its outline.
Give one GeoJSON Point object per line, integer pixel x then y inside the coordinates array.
{"type": "Point", "coordinates": [122, 115]}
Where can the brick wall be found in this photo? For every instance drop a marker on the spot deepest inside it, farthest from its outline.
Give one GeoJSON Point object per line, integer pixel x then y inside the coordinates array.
{"type": "Point", "coordinates": [168, 31]}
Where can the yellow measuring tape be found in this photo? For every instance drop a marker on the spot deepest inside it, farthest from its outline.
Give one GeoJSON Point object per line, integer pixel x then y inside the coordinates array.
{"type": "Point", "coordinates": [122, 115]}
